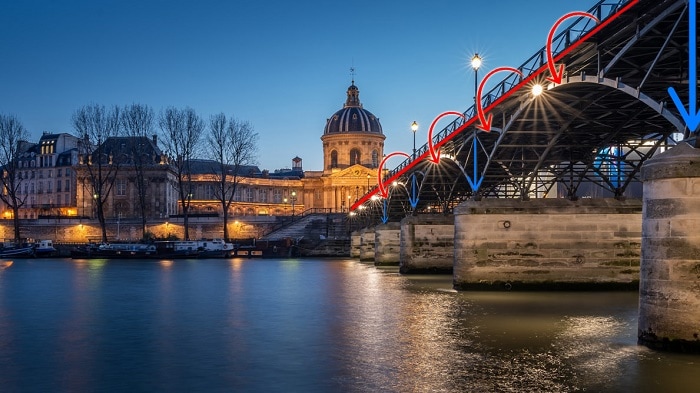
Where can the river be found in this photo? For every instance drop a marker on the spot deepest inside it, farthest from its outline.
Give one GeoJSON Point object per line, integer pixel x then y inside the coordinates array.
{"type": "Point", "coordinates": [311, 325]}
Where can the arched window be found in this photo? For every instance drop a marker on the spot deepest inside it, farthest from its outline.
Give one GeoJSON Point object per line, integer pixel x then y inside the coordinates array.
{"type": "Point", "coordinates": [334, 159]}
{"type": "Point", "coordinates": [375, 159]}
{"type": "Point", "coordinates": [354, 156]}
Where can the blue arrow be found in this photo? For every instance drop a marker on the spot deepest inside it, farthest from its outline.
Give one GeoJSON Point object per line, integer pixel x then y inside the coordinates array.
{"type": "Point", "coordinates": [413, 199]}
{"type": "Point", "coordinates": [475, 184]}
{"type": "Point", "coordinates": [691, 117]}
{"type": "Point", "coordinates": [385, 213]}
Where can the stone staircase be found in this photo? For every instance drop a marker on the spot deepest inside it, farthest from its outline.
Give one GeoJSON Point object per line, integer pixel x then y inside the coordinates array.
{"type": "Point", "coordinates": [318, 234]}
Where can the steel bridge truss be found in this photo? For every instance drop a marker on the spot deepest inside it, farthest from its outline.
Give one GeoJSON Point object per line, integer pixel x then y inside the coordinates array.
{"type": "Point", "coordinates": [585, 137]}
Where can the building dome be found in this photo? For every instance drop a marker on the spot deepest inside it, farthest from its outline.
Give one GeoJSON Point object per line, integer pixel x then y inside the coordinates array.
{"type": "Point", "coordinates": [353, 118]}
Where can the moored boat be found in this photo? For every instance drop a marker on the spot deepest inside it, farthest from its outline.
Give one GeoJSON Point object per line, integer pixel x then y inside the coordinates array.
{"type": "Point", "coordinates": [215, 248]}
{"type": "Point", "coordinates": [16, 251]}
{"type": "Point", "coordinates": [44, 248]}
{"type": "Point", "coordinates": [115, 250]}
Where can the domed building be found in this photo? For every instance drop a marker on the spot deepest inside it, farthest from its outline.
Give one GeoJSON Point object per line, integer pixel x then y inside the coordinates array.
{"type": "Point", "coordinates": [352, 136]}
{"type": "Point", "coordinates": [353, 146]}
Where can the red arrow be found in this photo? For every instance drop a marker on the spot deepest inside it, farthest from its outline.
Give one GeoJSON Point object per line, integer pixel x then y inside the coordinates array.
{"type": "Point", "coordinates": [435, 154]}
{"type": "Point", "coordinates": [486, 123]}
{"type": "Point", "coordinates": [557, 75]}
{"type": "Point", "coordinates": [382, 190]}
{"type": "Point", "coordinates": [631, 4]}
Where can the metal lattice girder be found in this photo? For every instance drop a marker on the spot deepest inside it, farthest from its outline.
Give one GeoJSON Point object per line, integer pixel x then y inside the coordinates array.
{"type": "Point", "coordinates": [591, 132]}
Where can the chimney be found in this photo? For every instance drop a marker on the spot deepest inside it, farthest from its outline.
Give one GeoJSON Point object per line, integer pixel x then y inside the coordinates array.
{"type": "Point", "coordinates": [155, 140]}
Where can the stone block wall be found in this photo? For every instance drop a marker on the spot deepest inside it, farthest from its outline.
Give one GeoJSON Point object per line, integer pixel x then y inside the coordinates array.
{"type": "Point", "coordinates": [367, 244]}
{"type": "Point", "coordinates": [669, 289]}
{"type": "Point", "coordinates": [547, 244]}
{"type": "Point", "coordinates": [427, 244]}
{"type": "Point", "coordinates": [387, 241]}
{"type": "Point", "coordinates": [355, 244]}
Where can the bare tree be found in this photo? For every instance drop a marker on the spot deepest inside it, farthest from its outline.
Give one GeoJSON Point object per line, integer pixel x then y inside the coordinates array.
{"type": "Point", "coordinates": [12, 136]}
{"type": "Point", "coordinates": [181, 131]}
{"type": "Point", "coordinates": [232, 145]}
{"type": "Point", "coordinates": [94, 125]}
{"type": "Point", "coordinates": [137, 122]}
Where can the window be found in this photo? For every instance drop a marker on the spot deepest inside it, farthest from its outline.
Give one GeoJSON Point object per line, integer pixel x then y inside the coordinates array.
{"type": "Point", "coordinates": [375, 159]}
{"type": "Point", "coordinates": [121, 187]}
{"type": "Point", "coordinates": [67, 183]}
{"type": "Point", "coordinates": [277, 195]}
{"type": "Point", "coordinates": [263, 195]}
{"type": "Point", "coordinates": [249, 194]}
{"type": "Point", "coordinates": [58, 186]}
{"type": "Point", "coordinates": [334, 159]}
{"type": "Point", "coordinates": [208, 191]}
{"type": "Point", "coordinates": [58, 172]}
{"type": "Point", "coordinates": [354, 156]}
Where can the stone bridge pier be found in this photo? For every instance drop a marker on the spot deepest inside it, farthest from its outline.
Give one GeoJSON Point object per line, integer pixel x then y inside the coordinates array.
{"type": "Point", "coordinates": [547, 244]}
{"type": "Point", "coordinates": [669, 291]}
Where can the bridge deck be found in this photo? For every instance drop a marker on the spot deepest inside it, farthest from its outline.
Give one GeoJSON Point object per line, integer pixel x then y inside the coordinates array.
{"type": "Point", "coordinates": [587, 136]}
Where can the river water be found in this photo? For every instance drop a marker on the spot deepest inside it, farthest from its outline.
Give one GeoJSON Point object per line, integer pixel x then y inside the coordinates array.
{"type": "Point", "coordinates": [310, 325]}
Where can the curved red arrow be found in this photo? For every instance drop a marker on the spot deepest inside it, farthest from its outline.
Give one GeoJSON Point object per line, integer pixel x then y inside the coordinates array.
{"type": "Point", "coordinates": [486, 123]}
{"type": "Point", "coordinates": [557, 75]}
{"type": "Point", "coordinates": [382, 190]}
{"type": "Point", "coordinates": [435, 154]}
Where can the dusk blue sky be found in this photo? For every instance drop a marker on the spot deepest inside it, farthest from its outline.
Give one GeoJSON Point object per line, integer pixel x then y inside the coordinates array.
{"type": "Point", "coordinates": [284, 66]}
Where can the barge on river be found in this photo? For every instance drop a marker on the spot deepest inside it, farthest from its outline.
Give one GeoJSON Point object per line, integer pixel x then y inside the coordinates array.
{"type": "Point", "coordinates": [210, 248]}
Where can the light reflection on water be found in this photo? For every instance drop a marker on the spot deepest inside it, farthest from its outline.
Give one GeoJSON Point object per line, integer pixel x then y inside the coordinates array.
{"type": "Point", "coordinates": [310, 325]}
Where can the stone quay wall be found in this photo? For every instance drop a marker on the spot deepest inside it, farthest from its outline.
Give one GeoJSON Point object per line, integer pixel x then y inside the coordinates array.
{"type": "Point", "coordinates": [73, 230]}
{"type": "Point", "coordinates": [547, 244]}
{"type": "Point", "coordinates": [427, 244]}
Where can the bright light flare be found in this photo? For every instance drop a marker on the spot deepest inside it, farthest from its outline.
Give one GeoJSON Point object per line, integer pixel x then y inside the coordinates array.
{"type": "Point", "coordinates": [476, 61]}
{"type": "Point", "coordinates": [537, 90]}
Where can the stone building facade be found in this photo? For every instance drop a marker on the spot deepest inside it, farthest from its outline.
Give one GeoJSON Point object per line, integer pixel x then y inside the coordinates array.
{"type": "Point", "coordinates": [56, 185]}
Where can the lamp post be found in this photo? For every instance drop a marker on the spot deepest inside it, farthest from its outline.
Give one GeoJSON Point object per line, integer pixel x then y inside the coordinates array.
{"type": "Point", "coordinates": [368, 183]}
{"type": "Point", "coordinates": [285, 206]}
{"type": "Point", "coordinates": [294, 198]}
{"type": "Point", "coordinates": [476, 63]}
{"type": "Point", "coordinates": [414, 128]}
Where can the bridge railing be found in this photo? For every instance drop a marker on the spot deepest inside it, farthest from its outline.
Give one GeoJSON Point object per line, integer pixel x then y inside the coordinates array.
{"type": "Point", "coordinates": [575, 31]}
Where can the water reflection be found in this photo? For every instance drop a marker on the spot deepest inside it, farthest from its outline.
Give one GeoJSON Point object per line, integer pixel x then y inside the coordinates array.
{"type": "Point", "coordinates": [310, 326]}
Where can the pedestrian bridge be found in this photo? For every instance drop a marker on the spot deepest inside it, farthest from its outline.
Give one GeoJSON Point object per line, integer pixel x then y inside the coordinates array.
{"type": "Point", "coordinates": [539, 184]}
{"type": "Point", "coordinates": [585, 136]}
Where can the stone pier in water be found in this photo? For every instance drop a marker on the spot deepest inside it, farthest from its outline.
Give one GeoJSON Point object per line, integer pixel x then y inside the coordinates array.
{"type": "Point", "coordinates": [387, 244]}
{"type": "Point", "coordinates": [427, 244]}
{"type": "Point", "coordinates": [669, 292]}
{"type": "Point", "coordinates": [547, 244]}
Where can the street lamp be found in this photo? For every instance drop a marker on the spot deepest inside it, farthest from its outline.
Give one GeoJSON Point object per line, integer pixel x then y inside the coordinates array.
{"type": "Point", "coordinates": [294, 198]}
{"type": "Point", "coordinates": [285, 206]}
{"type": "Point", "coordinates": [368, 182]}
{"type": "Point", "coordinates": [476, 63]}
{"type": "Point", "coordinates": [414, 128]}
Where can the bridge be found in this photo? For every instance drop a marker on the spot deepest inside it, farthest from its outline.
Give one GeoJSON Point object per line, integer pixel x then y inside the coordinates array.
{"type": "Point", "coordinates": [586, 136]}
{"type": "Point", "coordinates": [539, 184]}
